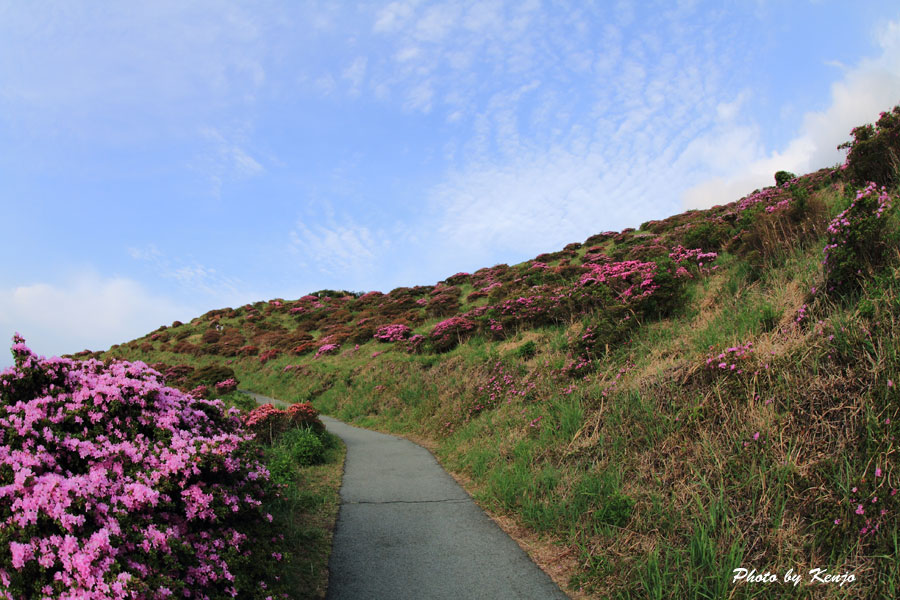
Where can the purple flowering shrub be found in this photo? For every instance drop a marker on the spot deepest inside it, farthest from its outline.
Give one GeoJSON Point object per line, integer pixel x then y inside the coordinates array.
{"type": "Point", "coordinates": [503, 386]}
{"type": "Point", "coordinates": [875, 150]}
{"type": "Point", "coordinates": [226, 386]}
{"type": "Point", "coordinates": [628, 279]}
{"type": "Point", "coordinates": [861, 238]}
{"type": "Point", "coordinates": [326, 349]}
{"type": "Point", "coordinates": [415, 344]}
{"type": "Point", "coordinates": [395, 332]}
{"type": "Point", "coordinates": [268, 422]}
{"type": "Point", "coordinates": [113, 485]}
{"type": "Point", "coordinates": [450, 332]}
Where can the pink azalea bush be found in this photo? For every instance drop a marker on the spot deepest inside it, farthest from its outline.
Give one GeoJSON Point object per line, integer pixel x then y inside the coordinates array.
{"type": "Point", "coordinates": [860, 239]}
{"type": "Point", "coordinates": [326, 349]}
{"type": "Point", "coordinates": [415, 344]}
{"type": "Point", "coordinates": [680, 254]}
{"type": "Point", "coordinates": [450, 332]}
{"type": "Point", "coordinates": [113, 485]}
{"type": "Point", "coordinates": [395, 332]}
{"type": "Point", "coordinates": [630, 279]}
{"type": "Point", "coordinates": [229, 385]}
{"type": "Point", "coordinates": [268, 422]}
{"type": "Point", "coordinates": [201, 391]}
{"type": "Point", "coordinates": [268, 355]}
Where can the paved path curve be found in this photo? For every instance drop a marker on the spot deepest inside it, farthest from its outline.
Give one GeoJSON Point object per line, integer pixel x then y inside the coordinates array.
{"type": "Point", "coordinates": [407, 530]}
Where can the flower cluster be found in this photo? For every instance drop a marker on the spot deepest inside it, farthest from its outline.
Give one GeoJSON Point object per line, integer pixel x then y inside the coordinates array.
{"type": "Point", "coordinates": [395, 332]}
{"type": "Point", "coordinates": [729, 359]}
{"type": "Point", "coordinates": [267, 422]}
{"type": "Point", "coordinates": [268, 355]}
{"type": "Point", "coordinates": [326, 349]}
{"type": "Point", "coordinates": [870, 505]}
{"type": "Point", "coordinates": [502, 386]}
{"type": "Point", "coordinates": [630, 279]}
{"type": "Point", "coordinates": [780, 205]}
{"type": "Point", "coordinates": [449, 332]}
{"type": "Point", "coordinates": [415, 344]}
{"type": "Point", "coordinates": [201, 391]}
{"type": "Point", "coordinates": [115, 486]}
{"type": "Point", "coordinates": [857, 238]}
{"type": "Point", "coordinates": [229, 385]}
{"type": "Point", "coordinates": [697, 256]}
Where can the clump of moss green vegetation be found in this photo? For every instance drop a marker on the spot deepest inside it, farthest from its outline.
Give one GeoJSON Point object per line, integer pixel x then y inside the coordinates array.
{"type": "Point", "coordinates": [710, 393]}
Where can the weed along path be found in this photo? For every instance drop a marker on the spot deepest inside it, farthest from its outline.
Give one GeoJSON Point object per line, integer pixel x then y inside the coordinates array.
{"type": "Point", "coordinates": [406, 529]}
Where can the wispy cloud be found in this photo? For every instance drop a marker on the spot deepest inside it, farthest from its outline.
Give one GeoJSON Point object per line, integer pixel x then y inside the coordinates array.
{"type": "Point", "coordinates": [578, 129]}
{"type": "Point", "coordinates": [193, 277]}
{"type": "Point", "coordinates": [735, 151]}
{"type": "Point", "coordinates": [226, 158]}
{"type": "Point", "coordinates": [339, 248]}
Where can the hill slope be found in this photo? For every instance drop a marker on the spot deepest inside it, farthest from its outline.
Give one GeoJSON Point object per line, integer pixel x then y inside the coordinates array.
{"type": "Point", "coordinates": [667, 404]}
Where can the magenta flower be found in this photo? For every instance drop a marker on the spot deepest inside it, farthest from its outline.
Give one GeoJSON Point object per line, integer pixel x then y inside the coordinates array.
{"type": "Point", "coordinates": [106, 474]}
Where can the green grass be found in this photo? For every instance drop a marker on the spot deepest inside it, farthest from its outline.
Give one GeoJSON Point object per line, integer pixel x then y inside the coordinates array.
{"type": "Point", "coordinates": [307, 510]}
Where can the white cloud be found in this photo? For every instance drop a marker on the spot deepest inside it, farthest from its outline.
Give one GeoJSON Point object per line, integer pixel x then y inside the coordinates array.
{"type": "Point", "coordinates": [88, 311]}
{"type": "Point", "coordinates": [742, 164]}
{"type": "Point", "coordinates": [542, 202]}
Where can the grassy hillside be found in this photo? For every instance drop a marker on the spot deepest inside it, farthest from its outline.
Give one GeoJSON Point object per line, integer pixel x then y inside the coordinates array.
{"type": "Point", "coordinates": [666, 404]}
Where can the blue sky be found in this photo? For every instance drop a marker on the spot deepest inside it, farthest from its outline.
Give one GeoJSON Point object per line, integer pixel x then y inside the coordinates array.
{"type": "Point", "coordinates": [162, 159]}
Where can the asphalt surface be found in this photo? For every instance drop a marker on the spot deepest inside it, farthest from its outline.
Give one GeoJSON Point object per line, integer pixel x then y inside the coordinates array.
{"type": "Point", "coordinates": [407, 530]}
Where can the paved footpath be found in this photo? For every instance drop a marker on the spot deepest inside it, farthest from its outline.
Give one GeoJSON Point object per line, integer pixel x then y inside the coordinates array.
{"type": "Point", "coordinates": [407, 530]}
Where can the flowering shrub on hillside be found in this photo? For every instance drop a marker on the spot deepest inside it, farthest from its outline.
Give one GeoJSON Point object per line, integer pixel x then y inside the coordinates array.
{"type": "Point", "coordinates": [696, 255]}
{"type": "Point", "coordinates": [115, 486]}
{"type": "Point", "coordinates": [859, 239]}
{"type": "Point", "coordinates": [395, 332]}
{"type": "Point", "coordinates": [875, 149]}
{"type": "Point", "coordinates": [630, 279]}
{"type": "Point", "coordinates": [268, 355]}
{"type": "Point", "coordinates": [229, 385]}
{"type": "Point", "coordinates": [201, 391]}
{"type": "Point", "coordinates": [248, 351]}
{"type": "Point", "coordinates": [304, 348]}
{"type": "Point", "coordinates": [326, 349]}
{"type": "Point", "coordinates": [267, 422]}
{"type": "Point", "coordinates": [449, 332]}
{"type": "Point", "coordinates": [415, 344]}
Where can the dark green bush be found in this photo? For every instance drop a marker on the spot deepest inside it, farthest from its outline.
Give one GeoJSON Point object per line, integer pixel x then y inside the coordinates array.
{"type": "Point", "coordinates": [297, 447]}
{"type": "Point", "coordinates": [782, 177]}
{"type": "Point", "coordinates": [210, 376]}
{"type": "Point", "coordinates": [707, 235]}
{"type": "Point", "coordinates": [526, 350]}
